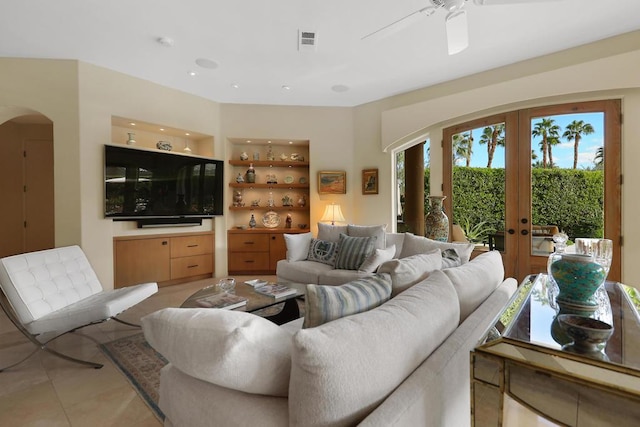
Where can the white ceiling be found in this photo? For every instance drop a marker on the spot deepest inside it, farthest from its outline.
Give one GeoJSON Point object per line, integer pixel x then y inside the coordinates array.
{"type": "Point", "coordinates": [254, 42]}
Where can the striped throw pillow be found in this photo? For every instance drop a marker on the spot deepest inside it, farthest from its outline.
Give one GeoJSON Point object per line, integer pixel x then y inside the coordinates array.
{"type": "Point", "coordinates": [353, 251]}
{"type": "Point", "coordinates": [326, 303]}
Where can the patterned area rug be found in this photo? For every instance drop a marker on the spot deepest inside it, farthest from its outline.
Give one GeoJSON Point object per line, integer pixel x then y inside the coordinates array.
{"type": "Point", "coordinates": [140, 364]}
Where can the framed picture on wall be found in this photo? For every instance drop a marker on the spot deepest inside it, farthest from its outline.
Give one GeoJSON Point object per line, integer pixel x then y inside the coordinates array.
{"type": "Point", "coordinates": [370, 181]}
{"type": "Point", "coordinates": [332, 182]}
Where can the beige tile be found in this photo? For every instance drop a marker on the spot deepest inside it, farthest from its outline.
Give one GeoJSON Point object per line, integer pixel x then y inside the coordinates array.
{"type": "Point", "coordinates": [35, 406]}
{"type": "Point", "coordinates": [119, 406]}
{"type": "Point", "coordinates": [23, 376]}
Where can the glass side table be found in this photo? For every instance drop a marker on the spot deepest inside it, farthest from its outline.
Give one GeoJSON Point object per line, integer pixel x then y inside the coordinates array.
{"type": "Point", "coordinates": [525, 358]}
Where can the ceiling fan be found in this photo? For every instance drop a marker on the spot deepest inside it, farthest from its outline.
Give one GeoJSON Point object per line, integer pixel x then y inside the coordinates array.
{"type": "Point", "coordinates": [455, 21]}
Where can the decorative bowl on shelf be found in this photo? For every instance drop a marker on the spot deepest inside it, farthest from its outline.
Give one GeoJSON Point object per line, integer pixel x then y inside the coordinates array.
{"type": "Point", "coordinates": [588, 334]}
{"type": "Point", "coordinates": [302, 226]}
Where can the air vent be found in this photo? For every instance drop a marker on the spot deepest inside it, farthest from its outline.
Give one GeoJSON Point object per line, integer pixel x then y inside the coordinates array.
{"type": "Point", "coordinates": [307, 40]}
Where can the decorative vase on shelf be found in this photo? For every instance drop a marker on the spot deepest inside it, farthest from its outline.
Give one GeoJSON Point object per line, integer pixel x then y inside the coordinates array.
{"type": "Point", "coordinates": [251, 174]}
{"type": "Point", "coordinates": [131, 139]}
{"type": "Point", "coordinates": [252, 222]}
{"type": "Point", "coordinates": [436, 222]}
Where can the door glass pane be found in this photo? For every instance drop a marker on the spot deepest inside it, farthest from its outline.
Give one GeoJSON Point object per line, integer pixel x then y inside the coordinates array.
{"type": "Point", "coordinates": [567, 178]}
{"type": "Point", "coordinates": [479, 184]}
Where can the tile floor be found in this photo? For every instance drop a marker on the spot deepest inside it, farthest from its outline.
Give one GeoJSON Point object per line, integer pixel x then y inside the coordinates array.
{"type": "Point", "coordinates": [49, 391]}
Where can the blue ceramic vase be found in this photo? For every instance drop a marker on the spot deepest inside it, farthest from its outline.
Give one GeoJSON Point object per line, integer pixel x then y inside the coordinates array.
{"type": "Point", "coordinates": [578, 277]}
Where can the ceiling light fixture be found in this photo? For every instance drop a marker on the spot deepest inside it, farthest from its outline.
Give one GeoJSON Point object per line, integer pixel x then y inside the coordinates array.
{"type": "Point", "coordinates": [340, 88]}
{"type": "Point", "coordinates": [192, 73]}
{"type": "Point", "coordinates": [207, 63]}
{"type": "Point", "coordinates": [166, 41]}
{"type": "Point", "coordinates": [235, 85]}
{"type": "Point", "coordinates": [286, 87]}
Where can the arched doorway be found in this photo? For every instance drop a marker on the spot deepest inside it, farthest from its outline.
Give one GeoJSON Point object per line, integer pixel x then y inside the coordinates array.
{"type": "Point", "coordinates": [26, 182]}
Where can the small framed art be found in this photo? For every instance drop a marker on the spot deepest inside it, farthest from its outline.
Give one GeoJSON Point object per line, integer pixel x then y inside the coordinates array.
{"type": "Point", "coordinates": [370, 181]}
{"type": "Point", "coordinates": [332, 182]}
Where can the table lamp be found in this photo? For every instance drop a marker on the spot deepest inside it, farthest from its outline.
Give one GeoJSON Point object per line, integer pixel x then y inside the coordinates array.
{"type": "Point", "coordinates": [332, 213]}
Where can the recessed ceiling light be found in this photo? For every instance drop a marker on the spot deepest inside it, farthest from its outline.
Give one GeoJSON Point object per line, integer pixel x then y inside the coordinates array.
{"type": "Point", "coordinates": [192, 73]}
{"type": "Point", "coordinates": [131, 124]}
{"type": "Point", "coordinates": [235, 85]}
{"type": "Point", "coordinates": [248, 141]}
{"type": "Point", "coordinates": [187, 133]}
{"type": "Point", "coordinates": [339, 88]}
{"type": "Point", "coordinates": [207, 63]}
{"type": "Point", "coordinates": [161, 129]}
{"type": "Point", "coordinates": [166, 41]}
{"type": "Point", "coordinates": [290, 142]}
{"type": "Point", "coordinates": [286, 87]}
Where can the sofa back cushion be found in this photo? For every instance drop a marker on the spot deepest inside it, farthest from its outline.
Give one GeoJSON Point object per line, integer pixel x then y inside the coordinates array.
{"type": "Point", "coordinates": [343, 369]}
{"type": "Point", "coordinates": [330, 233]}
{"type": "Point", "coordinates": [326, 303]}
{"type": "Point", "coordinates": [232, 349]}
{"type": "Point", "coordinates": [368, 231]}
{"type": "Point", "coordinates": [413, 245]}
{"type": "Point", "coordinates": [476, 280]}
{"type": "Point", "coordinates": [406, 272]}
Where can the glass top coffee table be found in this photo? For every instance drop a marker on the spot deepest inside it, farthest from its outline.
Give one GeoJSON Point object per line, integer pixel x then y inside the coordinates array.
{"type": "Point", "coordinates": [526, 358]}
{"type": "Point", "coordinates": [255, 302]}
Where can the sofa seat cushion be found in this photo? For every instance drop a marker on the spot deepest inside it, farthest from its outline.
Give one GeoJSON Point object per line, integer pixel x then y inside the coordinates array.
{"type": "Point", "coordinates": [476, 280]}
{"type": "Point", "coordinates": [343, 369]}
{"type": "Point", "coordinates": [326, 303]}
{"type": "Point", "coordinates": [340, 277]}
{"type": "Point", "coordinates": [406, 272]}
{"type": "Point", "coordinates": [232, 349]}
{"type": "Point", "coordinates": [413, 245]}
{"type": "Point", "coordinates": [301, 271]}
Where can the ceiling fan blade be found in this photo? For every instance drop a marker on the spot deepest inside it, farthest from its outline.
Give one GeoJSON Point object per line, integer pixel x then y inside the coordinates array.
{"type": "Point", "coordinates": [400, 24]}
{"type": "Point", "coordinates": [457, 31]}
{"type": "Point", "coordinates": [499, 2]}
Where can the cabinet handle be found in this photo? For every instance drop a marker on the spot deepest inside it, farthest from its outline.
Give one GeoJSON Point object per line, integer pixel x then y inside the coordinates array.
{"type": "Point", "coordinates": [192, 246]}
{"type": "Point", "coordinates": [192, 266]}
{"type": "Point", "coordinates": [248, 243]}
{"type": "Point", "coordinates": [249, 261]}
{"type": "Point", "coordinates": [164, 243]}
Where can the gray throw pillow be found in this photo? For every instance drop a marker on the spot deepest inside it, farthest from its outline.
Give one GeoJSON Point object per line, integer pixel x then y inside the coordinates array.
{"type": "Point", "coordinates": [450, 258]}
{"type": "Point", "coordinates": [326, 303]}
{"type": "Point", "coordinates": [353, 251]}
{"type": "Point", "coordinates": [322, 251]}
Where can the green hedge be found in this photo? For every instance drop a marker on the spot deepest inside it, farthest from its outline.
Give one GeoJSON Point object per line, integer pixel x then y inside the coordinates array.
{"type": "Point", "coordinates": [571, 199]}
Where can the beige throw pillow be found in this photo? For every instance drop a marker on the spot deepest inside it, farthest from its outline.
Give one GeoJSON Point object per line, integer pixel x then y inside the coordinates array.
{"type": "Point", "coordinates": [406, 272]}
{"type": "Point", "coordinates": [377, 258]}
{"type": "Point", "coordinates": [297, 246]}
{"type": "Point", "coordinates": [476, 280]}
{"type": "Point", "coordinates": [232, 349]}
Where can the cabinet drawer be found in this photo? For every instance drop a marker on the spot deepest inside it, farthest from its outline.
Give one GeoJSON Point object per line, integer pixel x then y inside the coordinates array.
{"type": "Point", "coordinates": [249, 243]}
{"type": "Point", "coordinates": [191, 245]}
{"type": "Point", "coordinates": [191, 266]}
{"type": "Point", "coordinates": [248, 261]}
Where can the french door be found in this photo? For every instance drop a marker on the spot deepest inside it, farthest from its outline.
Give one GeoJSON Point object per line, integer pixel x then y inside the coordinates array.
{"type": "Point", "coordinates": [513, 180]}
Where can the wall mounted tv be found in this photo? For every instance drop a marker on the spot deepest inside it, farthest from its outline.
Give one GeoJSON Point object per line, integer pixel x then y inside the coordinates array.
{"type": "Point", "coordinates": [146, 184]}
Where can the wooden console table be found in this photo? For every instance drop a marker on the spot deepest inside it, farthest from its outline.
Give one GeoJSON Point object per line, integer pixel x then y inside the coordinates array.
{"type": "Point", "coordinates": [524, 359]}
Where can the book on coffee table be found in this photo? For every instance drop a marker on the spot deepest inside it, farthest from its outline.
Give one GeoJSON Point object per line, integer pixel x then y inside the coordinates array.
{"type": "Point", "coordinates": [222, 300]}
{"type": "Point", "coordinates": [275, 290]}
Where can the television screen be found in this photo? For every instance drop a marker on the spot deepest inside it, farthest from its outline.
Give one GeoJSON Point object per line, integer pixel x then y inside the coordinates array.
{"type": "Point", "coordinates": [152, 184]}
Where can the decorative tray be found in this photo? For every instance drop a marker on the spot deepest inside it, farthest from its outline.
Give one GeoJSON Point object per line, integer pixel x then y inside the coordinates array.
{"type": "Point", "coordinates": [271, 219]}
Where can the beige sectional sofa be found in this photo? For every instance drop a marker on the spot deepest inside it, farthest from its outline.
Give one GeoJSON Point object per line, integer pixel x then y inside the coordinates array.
{"type": "Point", "coordinates": [300, 267]}
{"type": "Point", "coordinates": [403, 363]}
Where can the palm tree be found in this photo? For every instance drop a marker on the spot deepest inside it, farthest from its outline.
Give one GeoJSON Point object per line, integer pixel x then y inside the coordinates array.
{"type": "Point", "coordinates": [463, 147]}
{"type": "Point", "coordinates": [545, 128]}
{"type": "Point", "coordinates": [493, 136]}
{"type": "Point", "coordinates": [598, 160]}
{"type": "Point", "coordinates": [574, 132]}
{"type": "Point", "coordinates": [552, 142]}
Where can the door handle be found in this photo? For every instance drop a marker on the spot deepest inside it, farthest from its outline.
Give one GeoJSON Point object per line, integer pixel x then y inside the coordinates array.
{"type": "Point", "coordinates": [524, 220]}
{"type": "Point", "coordinates": [524, 232]}
{"type": "Point", "coordinates": [511, 231]}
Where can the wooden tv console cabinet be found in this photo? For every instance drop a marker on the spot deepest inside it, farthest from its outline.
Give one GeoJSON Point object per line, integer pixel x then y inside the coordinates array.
{"type": "Point", "coordinates": [168, 259]}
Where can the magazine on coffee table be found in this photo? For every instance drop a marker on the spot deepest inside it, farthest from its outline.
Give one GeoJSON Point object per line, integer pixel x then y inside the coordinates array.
{"type": "Point", "coordinates": [256, 283]}
{"type": "Point", "coordinates": [222, 300]}
{"type": "Point", "coordinates": [275, 290]}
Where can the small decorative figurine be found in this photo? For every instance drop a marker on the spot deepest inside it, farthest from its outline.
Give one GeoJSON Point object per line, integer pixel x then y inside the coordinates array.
{"type": "Point", "coordinates": [255, 203]}
{"type": "Point", "coordinates": [295, 157]}
{"type": "Point", "coordinates": [288, 221]}
{"type": "Point", "coordinates": [302, 201]}
{"type": "Point", "coordinates": [237, 198]}
{"type": "Point", "coordinates": [283, 157]}
{"type": "Point", "coordinates": [271, 178]}
{"type": "Point", "coordinates": [244, 156]}
{"type": "Point", "coordinates": [256, 155]}
{"type": "Point", "coordinates": [239, 178]}
{"type": "Point", "coordinates": [271, 203]}
{"type": "Point", "coordinates": [252, 222]}
{"type": "Point", "coordinates": [251, 174]}
{"type": "Point", "coordinates": [270, 155]}
{"type": "Point", "coordinates": [164, 145]}
{"type": "Point", "coordinates": [131, 139]}
{"type": "Point", "coordinates": [286, 201]}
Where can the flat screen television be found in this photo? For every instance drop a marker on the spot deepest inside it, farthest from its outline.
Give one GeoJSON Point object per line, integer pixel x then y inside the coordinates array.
{"type": "Point", "coordinates": [151, 184]}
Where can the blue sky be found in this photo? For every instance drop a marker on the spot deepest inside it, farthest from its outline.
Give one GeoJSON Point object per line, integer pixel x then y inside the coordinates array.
{"type": "Point", "coordinates": [562, 153]}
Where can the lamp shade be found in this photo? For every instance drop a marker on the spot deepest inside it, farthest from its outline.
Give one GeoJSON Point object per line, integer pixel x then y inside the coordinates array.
{"type": "Point", "coordinates": [333, 213]}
